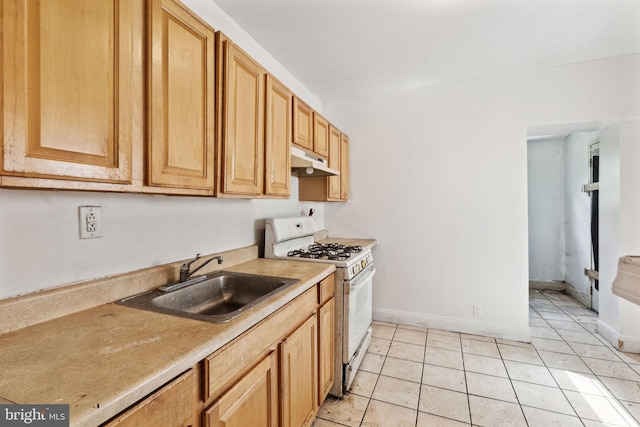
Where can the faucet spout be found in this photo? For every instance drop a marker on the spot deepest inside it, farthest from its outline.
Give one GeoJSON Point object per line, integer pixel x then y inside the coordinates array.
{"type": "Point", "coordinates": [186, 272]}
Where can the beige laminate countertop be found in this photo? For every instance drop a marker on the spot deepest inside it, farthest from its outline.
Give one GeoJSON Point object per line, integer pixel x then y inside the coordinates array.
{"type": "Point", "coordinates": [102, 360]}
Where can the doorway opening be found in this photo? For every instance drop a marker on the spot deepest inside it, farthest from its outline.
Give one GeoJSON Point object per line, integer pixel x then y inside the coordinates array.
{"type": "Point", "coordinates": [563, 171]}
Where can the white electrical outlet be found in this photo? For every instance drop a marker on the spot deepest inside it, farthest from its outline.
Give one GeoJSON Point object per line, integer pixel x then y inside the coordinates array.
{"type": "Point", "coordinates": [477, 310]}
{"type": "Point", "coordinates": [90, 221]}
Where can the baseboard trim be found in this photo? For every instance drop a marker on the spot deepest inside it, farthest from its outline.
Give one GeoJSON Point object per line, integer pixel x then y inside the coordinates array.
{"type": "Point", "coordinates": [452, 324]}
{"type": "Point", "coordinates": [608, 333]}
{"type": "Point", "coordinates": [581, 297]}
{"type": "Point", "coordinates": [629, 345]}
{"type": "Point", "coordinates": [547, 285]}
{"type": "Point", "coordinates": [620, 342]}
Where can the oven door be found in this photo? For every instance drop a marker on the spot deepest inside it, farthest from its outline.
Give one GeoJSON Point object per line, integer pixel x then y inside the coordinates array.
{"type": "Point", "coordinates": [357, 310]}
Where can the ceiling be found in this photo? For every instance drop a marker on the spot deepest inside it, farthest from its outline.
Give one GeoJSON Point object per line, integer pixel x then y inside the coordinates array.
{"type": "Point", "coordinates": [351, 48]}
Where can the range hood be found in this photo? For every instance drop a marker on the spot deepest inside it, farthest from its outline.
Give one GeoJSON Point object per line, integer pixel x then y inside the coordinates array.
{"type": "Point", "coordinates": [304, 164]}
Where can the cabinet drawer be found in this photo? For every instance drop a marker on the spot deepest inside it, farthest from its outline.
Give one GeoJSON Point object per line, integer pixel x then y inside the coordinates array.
{"type": "Point", "coordinates": [225, 365]}
{"type": "Point", "coordinates": [326, 289]}
{"type": "Point", "coordinates": [172, 405]}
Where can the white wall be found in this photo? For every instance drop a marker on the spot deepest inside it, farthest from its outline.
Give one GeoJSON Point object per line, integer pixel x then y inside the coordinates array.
{"type": "Point", "coordinates": [545, 178]}
{"type": "Point", "coordinates": [629, 235]}
{"type": "Point", "coordinates": [40, 247]}
{"type": "Point", "coordinates": [577, 210]}
{"type": "Point", "coordinates": [619, 320]}
{"type": "Point", "coordinates": [39, 244]}
{"type": "Point", "coordinates": [220, 21]}
{"type": "Point", "coordinates": [609, 231]}
{"type": "Point", "coordinates": [439, 177]}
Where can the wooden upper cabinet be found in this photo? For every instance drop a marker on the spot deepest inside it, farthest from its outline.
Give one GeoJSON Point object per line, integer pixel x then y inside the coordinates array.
{"type": "Point", "coordinates": [242, 140]}
{"type": "Point", "coordinates": [320, 135]}
{"type": "Point", "coordinates": [181, 148]}
{"type": "Point", "coordinates": [68, 102]}
{"type": "Point", "coordinates": [310, 129]}
{"type": "Point", "coordinates": [334, 162]}
{"type": "Point", "coordinates": [332, 188]}
{"type": "Point", "coordinates": [344, 167]}
{"type": "Point", "coordinates": [302, 124]}
{"type": "Point", "coordinates": [278, 138]}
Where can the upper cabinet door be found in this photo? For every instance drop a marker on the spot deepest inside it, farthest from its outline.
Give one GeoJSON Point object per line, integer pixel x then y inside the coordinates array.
{"type": "Point", "coordinates": [320, 135]}
{"type": "Point", "coordinates": [278, 139]}
{"type": "Point", "coordinates": [302, 124]}
{"type": "Point", "coordinates": [344, 167]}
{"type": "Point", "coordinates": [67, 103]}
{"type": "Point", "coordinates": [243, 122]}
{"type": "Point", "coordinates": [334, 162]}
{"type": "Point", "coordinates": [181, 148]}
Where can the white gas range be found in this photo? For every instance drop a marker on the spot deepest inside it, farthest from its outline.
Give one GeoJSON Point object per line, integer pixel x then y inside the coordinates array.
{"type": "Point", "coordinates": [293, 239]}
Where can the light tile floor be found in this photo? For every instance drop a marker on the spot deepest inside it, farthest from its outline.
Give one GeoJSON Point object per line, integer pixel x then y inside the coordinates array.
{"type": "Point", "coordinates": [568, 376]}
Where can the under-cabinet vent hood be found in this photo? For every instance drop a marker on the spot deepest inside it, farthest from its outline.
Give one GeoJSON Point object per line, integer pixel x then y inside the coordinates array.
{"type": "Point", "coordinates": [304, 164]}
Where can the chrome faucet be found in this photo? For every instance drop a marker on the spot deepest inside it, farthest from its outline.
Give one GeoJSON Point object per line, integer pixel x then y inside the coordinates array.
{"type": "Point", "coordinates": [186, 272]}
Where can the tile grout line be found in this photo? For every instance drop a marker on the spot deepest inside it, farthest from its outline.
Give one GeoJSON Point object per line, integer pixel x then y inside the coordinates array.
{"type": "Point", "coordinates": [606, 345]}
{"type": "Point", "coordinates": [424, 356]}
{"type": "Point", "coordinates": [599, 376]}
{"type": "Point", "coordinates": [384, 360]}
{"type": "Point", "coordinates": [580, 358]}
{"type": "Point", "coordinates": [466, 383]}
{"type": "Point", "coordinates": [588, 367]}
{"type": "Point", "coordinates": [524, 416]}
{"type": "Point", "coordinates": [601, 356]}
{"type": "Point", "coordinates": [554, 378]}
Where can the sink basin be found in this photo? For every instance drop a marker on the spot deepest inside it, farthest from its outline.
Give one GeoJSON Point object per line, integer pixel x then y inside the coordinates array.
{"type": "Point", "coordinates": [215, 297]}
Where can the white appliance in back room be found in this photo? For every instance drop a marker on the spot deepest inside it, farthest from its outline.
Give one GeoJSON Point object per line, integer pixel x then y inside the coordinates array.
{"type": "Point", "coordinates": [293, 239]}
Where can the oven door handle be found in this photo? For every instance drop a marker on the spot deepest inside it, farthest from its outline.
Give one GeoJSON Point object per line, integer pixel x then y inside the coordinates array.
{"type": "Point", "coordinates": [366, 274]}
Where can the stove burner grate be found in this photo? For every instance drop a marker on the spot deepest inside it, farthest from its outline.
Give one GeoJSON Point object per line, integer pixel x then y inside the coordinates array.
{"type": "Point", "coordinates": [328, 251]}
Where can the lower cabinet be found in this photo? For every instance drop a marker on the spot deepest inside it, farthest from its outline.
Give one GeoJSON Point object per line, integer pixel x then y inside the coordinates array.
{"type": "Point", "coordinates": [326, 348]}
{"type": "Point", "coordinates": [297, 343]}
{"type": "Point", "coordinates": [252, 401]}
{"type": "Point", "coordinates": [175, 404]}
{"type": "Point", "coordinates": [281, 390]}
{"type": "Point", "coordinates": [299, 361]}
{"type": "Point", "coordinates": [326, 336]}
{"type": "Point", "coordinates": [275, 374]}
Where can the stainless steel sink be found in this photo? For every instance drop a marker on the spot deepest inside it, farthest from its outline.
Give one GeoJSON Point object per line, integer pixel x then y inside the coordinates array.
{"type": "Point", "coordinates": [215, 297]}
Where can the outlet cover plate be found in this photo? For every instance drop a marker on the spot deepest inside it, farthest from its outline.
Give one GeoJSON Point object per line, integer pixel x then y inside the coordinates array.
{"type": "Point", "coordinates": [90, 220]}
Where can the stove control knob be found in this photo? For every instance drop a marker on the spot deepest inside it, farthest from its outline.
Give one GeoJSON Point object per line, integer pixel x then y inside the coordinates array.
{"type": "Point", "coordinates": [363, 263]}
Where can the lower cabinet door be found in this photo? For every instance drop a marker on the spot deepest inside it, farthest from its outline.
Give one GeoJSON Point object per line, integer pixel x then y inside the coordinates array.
{"type": "Point", "coordinates": [300, 375]}
{"type": "Point", "coordinates": [326, 348]}
{"type": "Point", "coordinates": [253, 401]}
